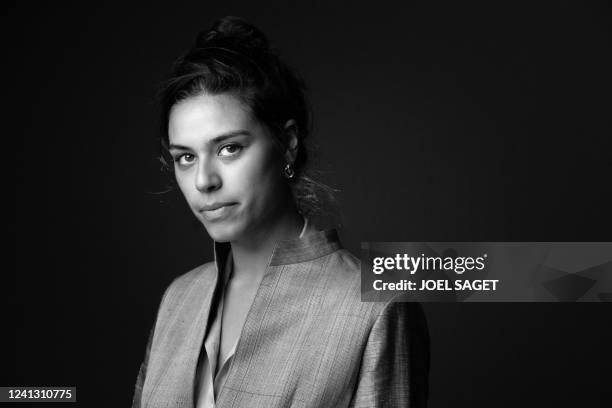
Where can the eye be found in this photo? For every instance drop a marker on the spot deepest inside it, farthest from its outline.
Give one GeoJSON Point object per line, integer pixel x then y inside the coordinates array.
{"type": "Point", "coordinates": [231, 149]}
{"type": "Point", "coordinates": [184, 159]}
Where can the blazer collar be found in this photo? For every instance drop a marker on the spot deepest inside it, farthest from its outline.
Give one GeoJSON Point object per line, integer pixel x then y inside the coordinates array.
{"type": "Point", "coordinates": [311, 246]}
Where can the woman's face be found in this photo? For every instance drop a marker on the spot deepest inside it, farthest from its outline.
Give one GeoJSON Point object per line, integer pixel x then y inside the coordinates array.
{"type": "Point", "coordinates": [227, 165]}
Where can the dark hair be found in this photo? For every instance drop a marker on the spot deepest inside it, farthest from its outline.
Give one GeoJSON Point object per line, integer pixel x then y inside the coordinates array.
{"type": "Point", "coordinates": [234, 57]}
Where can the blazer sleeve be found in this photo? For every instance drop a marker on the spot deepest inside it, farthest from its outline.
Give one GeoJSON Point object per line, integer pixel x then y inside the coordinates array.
{"type": "Point", "coordinates": [394, 369]}
{"type": "Point", "coordinates": [142, 373]}
{"type": "Point", "coordinates": [136, 400]}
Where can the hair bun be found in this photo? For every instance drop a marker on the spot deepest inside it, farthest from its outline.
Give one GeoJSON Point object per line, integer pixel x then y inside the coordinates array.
{"type": "Point", "coordinates": [235, 33]}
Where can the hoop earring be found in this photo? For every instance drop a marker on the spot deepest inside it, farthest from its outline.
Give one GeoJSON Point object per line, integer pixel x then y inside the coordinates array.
{"type": "Point", "coordinates": [288, 171]}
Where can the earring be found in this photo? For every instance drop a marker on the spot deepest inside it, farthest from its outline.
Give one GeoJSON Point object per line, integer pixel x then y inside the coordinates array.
{"type": "Point", "coordinates": [288, 171]}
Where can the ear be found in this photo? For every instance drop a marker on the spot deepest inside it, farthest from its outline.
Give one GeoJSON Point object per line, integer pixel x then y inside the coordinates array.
{"type": "Point", "coordinates": [291, 138]}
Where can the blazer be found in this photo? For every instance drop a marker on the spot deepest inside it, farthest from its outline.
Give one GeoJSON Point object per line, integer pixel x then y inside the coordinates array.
{"type": "Point", "coordinates": [308, 340]}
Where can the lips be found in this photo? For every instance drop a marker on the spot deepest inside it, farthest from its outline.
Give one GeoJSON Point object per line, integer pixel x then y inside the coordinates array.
{"type": "Point", "coordinates": [214, 206]}
{"type": "Point", "coordinates": [216, 211]}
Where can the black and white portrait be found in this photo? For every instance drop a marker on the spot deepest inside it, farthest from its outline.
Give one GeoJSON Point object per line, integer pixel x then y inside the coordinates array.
{"type": "Point", "coordinates": [196, 182]}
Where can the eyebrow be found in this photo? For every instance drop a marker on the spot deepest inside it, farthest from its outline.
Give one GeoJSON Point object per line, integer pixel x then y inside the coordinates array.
{"type": "Point", "coordinates": [215, 140]}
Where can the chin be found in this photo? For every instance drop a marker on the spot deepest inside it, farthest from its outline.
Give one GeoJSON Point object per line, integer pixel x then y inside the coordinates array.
{"type": "Point", "coordinates": [223, 232]}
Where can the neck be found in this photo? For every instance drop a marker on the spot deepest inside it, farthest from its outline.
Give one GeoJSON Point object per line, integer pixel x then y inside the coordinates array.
{"type": "Point", "coordinates": [251, 255]}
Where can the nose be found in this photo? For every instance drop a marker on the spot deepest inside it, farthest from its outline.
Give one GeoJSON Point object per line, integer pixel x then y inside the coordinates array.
{"type": "Point", "coordinates": [207, 177]}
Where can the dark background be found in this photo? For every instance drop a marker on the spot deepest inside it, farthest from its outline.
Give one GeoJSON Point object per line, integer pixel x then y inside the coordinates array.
{"type": "Point", "coordinates": [438, 122]}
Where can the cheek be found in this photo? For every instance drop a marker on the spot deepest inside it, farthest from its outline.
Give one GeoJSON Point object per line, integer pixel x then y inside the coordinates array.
{"type": "Point", "coordinates": [264, 174]}
{"type": "Point", "coordinates": [260, 178]}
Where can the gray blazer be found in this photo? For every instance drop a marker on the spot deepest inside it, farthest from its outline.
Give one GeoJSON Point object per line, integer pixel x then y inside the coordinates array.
{"type": "Point", "coordinates": [308, 340]}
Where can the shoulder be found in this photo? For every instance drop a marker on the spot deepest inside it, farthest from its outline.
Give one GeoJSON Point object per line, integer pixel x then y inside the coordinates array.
{"type": "Point", "coordinates": [346, 269]}
{"type": "Point", "coordinates": [340, 270]}
{"type": "Point", "coordinates": [184, 294]}
{"type": "Point", "coordinates": [402, 312]}
{"type": "Point", "coordinates": [337, 279]}
{"type": "Point", "coordinates": [184, 282]}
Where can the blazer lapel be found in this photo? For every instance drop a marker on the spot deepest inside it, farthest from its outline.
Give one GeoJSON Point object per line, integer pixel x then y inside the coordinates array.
{"type": "Point", "coordinates": [263, 326]}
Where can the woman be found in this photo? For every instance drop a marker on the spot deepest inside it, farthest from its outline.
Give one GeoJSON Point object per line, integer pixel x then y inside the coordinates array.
{"type": "Point", "coordinates": [276, 320]}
